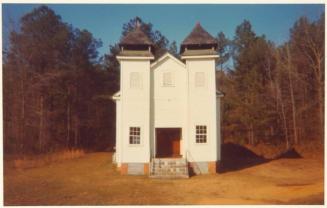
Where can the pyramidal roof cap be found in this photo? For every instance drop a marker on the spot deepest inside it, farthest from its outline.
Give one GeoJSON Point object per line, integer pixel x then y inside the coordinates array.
{"type": "Point", "coordinates": [136, 37]}
{"type": "Point", "coordinates": [199, 36]}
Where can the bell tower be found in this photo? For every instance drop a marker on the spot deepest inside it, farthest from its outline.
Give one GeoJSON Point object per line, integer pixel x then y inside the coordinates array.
{"type": "Point", "coordinates": [198, 50]}
{"type": "Point", "coordinates": [133, 138]}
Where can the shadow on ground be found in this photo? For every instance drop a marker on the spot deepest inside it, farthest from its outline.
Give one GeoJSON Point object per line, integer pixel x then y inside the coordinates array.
{"type": "Point", "coordinates": [290, 154]}
{"type": "Point", "coordinates": [236, 157]}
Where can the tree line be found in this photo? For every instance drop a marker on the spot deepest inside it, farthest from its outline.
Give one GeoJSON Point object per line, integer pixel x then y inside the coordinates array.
{"type": "Point", "coordinates": [274, 94]}
{"type": "Point", "coordinates": [57, 89]}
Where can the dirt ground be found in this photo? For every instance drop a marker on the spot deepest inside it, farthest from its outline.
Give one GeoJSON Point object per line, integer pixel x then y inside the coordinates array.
{"type": "Point", "coordinates": [93, 180]}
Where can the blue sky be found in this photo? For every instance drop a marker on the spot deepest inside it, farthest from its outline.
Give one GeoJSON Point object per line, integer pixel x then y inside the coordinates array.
{"type": "Point", "coordinates": [175, 21]}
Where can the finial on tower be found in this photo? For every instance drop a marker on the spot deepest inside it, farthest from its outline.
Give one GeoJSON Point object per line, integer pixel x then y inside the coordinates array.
{"type": "Point", "coordinates": [138, 23]}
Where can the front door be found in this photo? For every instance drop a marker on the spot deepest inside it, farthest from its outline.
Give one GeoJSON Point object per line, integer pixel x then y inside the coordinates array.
{"type": "Point", "coordinates": [168, 142]}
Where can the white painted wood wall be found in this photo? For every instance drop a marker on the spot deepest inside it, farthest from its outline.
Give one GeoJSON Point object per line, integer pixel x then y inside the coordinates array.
{"type": "Point", "coordinates": [182, 105]}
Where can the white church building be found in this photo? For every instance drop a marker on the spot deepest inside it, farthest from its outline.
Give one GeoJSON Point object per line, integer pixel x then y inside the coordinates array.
{"type": "Point", "coordinates": [167, 109]}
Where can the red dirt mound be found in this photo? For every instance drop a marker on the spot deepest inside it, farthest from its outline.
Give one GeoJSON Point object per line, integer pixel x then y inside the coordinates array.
{"type": "Point", "coordinates": [236, 157]}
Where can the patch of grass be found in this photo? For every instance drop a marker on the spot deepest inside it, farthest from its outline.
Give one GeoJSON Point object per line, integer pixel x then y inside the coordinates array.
{"type": "Point", "coordinates": [45, 159]}
{"type": "Point", "coordinates": [94, 180]}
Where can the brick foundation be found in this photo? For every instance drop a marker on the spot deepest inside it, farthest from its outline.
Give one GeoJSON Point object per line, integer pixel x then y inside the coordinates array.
{"type": "Point", "coordinates": [127, 169]}
{"type": "Point", "coordinates": [124, 168]}
{"type": "Point", "coordinates": [146, 169]}
{"type": "Point", "coordinates": [198, 168]}
{"type": "Point", "coordinates": [212, 167]}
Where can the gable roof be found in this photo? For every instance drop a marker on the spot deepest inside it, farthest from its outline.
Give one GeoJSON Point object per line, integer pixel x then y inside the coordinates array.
{"type": "Point", "coordinates": [165, 56]}
{"type": "Point", "coordinates": [199, 36]}
{"type": "Point", "coordinates": [136, 37]}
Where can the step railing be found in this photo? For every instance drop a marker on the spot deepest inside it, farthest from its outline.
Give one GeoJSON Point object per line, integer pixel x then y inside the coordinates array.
{"type": "Point", "coordinates": [189, 155]}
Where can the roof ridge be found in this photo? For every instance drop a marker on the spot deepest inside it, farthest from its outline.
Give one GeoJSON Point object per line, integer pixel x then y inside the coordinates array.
{"type": "Point", "coordinates": [162, 58]}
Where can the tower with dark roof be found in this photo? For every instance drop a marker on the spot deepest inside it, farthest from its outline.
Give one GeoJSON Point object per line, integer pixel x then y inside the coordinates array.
{"type": "Point", "coordinates": [199, 42]}
{"type": "Point", "coordinates": [198, 50]}
{"type": "Point", "coordinates": [133, 100]}
{"type": "Point", "coordinates": [136, 43]}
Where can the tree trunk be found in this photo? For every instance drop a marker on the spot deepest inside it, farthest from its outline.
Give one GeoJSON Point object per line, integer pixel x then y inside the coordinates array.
{"type": "Point", "coordinates": [22, 118]}
{"type": "Point", "coordinates": [321, 111]}
{"type": "Point", "coordinates": [280, 102]}
{"type": "Point", "coordinates": [293, 114]}
{"type": "Point", "coordinates": [76, 134]}
{"type": "Point", "coordinates": [285, 124]}
{"type": "Point", "coordinates": [68, 120]}
{"type": "Point", "coordinates": [41, 125]}
{"type": "Point", "coordinates": [289, 68]}
{"type": "Point", "coordinates": [251, 134]}
{"type": "Point", "coordinates": [279, 98]}
{"type": "Point", "coordinates": [320, 92]}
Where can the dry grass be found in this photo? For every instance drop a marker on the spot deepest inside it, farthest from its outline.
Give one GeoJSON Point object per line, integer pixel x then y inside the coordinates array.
{"type": "Point", "coordinates": [313, 149]}
{"type": "Point", "coordinates": [41, 160]}
{"type": "Point", "coordinates": [94, 180]}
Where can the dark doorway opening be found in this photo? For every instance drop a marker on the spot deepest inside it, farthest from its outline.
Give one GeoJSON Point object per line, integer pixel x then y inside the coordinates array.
{"type": "Point", "coordinates": [168, 142]}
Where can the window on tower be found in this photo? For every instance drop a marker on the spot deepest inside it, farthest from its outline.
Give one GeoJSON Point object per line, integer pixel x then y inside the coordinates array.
{"type": "Point", "coordinates": [201, 134]}
{"type": "Point", "coordinates": [199, 79]}
{"type": "Point", "coordinates": [134, 135]}
{"type": "Point", "coordinates": [135, 80]}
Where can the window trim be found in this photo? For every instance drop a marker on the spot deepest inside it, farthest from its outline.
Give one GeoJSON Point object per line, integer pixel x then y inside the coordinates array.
{"type": "Point", "coordinates": [201, 134]}
{"type": "Point", "coordinates": [138, 85]}
{"type": "Point", "coordinates": [137, 129]}
{"type": "Point", "coordinates": [196, 79]}
{"type": "Point", "coordinates": [172, 81]}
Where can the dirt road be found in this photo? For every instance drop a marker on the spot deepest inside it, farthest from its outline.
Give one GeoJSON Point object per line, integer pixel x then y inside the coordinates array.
{"type": "Point", "coordinates": [93, 180]}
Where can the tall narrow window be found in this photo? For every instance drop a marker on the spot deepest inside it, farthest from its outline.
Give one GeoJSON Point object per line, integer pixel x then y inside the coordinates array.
{"type": "Point", "coordinates": [135, 80]}
{"type": "Point", "coordinates": [201, 134]}
{"type": "Point", "coordinates": [167, 79]}
{"type": "Point", "coordinates": [199, 79]}
{"type": "Point", "coordinates": [134, 135]}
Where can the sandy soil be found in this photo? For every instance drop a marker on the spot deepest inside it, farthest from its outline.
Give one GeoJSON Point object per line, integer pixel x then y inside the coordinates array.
{"type": "Point", "coordinates": [93, 180]}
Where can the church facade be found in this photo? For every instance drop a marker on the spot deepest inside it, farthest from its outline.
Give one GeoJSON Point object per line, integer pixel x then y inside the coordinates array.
{"type": "Point", "coordinates": [167, 107]}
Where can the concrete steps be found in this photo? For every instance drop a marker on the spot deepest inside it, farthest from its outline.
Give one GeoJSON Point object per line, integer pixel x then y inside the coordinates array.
{"type": "Point", "coordinates": [169, 168]}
